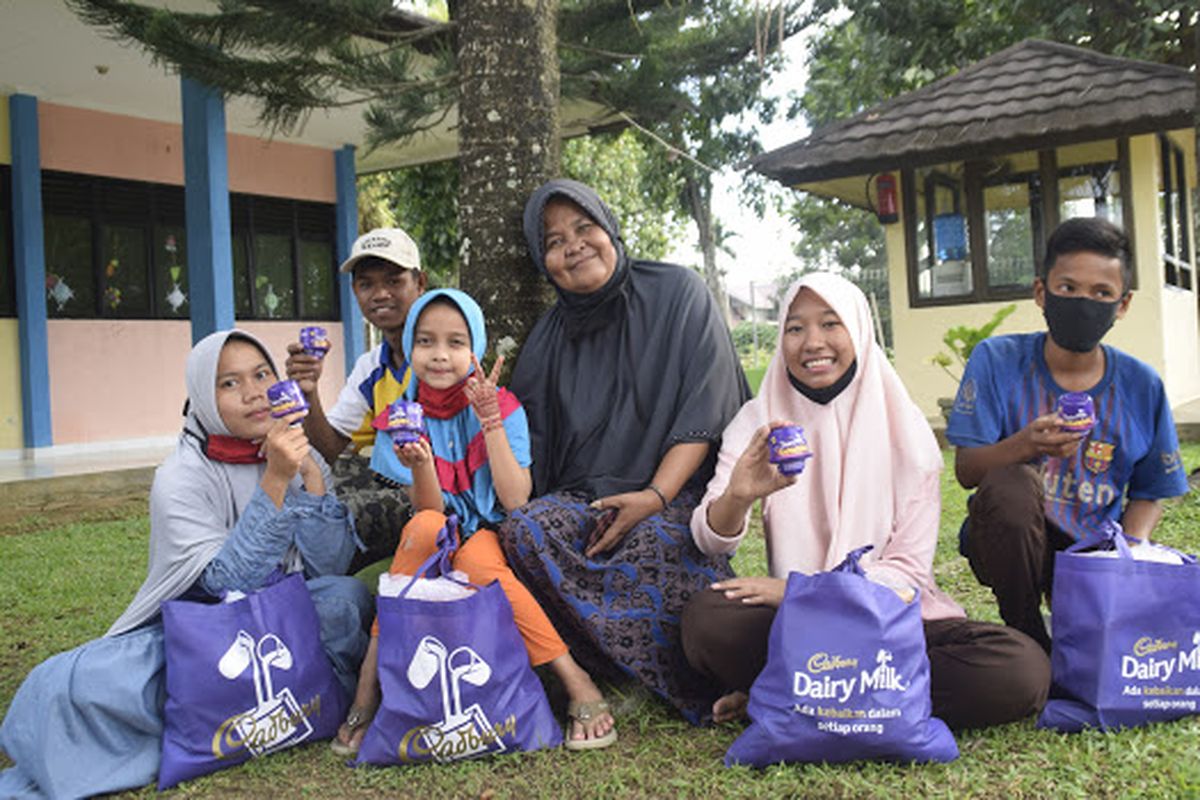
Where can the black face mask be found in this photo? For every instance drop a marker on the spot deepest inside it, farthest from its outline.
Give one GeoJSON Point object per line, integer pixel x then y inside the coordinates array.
{"type": "Point", "coordinates": [824, 396]}
{"type": "Point", "coordinates": [1078, 323]}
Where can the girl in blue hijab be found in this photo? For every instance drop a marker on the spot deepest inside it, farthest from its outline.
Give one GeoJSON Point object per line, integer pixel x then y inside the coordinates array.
{"type": "Point", "coordinates": [473, 461]}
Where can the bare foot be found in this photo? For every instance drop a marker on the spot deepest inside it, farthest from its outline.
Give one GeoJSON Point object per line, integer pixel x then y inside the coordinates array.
{"type": "Point", "coordinates": [730, 707]}
{"type": "Point", "coordinates": [366, 702]}
{"type": "Point", "coordinates": [583, 693]}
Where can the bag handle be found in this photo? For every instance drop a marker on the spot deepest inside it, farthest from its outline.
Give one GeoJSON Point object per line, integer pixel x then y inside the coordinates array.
{"type": "Point", "coordinates": [1108, 536]}
{"type": "Point", "coordinates": [850, 563]}
{"type": "Point", "coordinates": [1111, 536]}
{"type": "Point", "coordinates": [439, 564]}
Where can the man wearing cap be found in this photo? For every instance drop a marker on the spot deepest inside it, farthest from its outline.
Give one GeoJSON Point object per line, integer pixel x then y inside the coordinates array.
{"type": "Point", "coordinates": [387, 278]}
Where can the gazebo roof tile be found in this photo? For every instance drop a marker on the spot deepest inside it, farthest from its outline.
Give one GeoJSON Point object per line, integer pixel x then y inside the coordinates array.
{"type": "Point", "coordinates": [1032, 94]}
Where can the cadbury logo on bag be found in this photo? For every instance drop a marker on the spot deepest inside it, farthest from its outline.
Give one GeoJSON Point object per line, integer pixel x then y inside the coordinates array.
{"type": "Point", "coordinates": [276, 720]}
{"type": "Point", "coordinates": [1144, 666]}
{"type": "Point", "coordinates": [461, 733]}
{"type": "Point", "coordinates": [883, 678]}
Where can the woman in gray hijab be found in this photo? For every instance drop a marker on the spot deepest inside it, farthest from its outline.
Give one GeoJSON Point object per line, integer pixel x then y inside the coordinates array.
{"type": "Point", "coordinates": [240, 498]}
{"type": "Point", "coordinates": [627, 381]}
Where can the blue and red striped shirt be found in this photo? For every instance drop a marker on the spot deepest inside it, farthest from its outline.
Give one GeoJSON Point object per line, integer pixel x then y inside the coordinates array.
{"type": "Point", "coordinates": [1132, 451]}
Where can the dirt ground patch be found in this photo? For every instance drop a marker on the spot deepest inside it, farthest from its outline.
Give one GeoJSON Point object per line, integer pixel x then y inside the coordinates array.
{"type": "Point", "coordinates": [30, 506]}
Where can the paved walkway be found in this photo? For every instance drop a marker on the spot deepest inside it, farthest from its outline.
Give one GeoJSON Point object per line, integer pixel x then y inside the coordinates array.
{"type": "Point", "coordinates": [74, 460]}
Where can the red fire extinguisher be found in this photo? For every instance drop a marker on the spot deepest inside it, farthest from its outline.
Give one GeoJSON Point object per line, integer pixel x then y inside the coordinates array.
{"type": "Point", "coordinates": [886, 208]}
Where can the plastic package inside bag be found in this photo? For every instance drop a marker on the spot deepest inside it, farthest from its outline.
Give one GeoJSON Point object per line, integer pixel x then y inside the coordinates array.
{"type": "Point", "coordinates": [445, 589]}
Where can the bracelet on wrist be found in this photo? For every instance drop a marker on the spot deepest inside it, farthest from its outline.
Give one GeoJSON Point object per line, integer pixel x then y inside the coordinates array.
{"type": "Point", "coordinates": [491, 424]}
{"type": "Point", "coordinates": [662, 497]}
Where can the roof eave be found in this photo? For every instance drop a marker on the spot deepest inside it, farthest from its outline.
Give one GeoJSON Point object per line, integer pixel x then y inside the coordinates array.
{"type": "Point", "coordinates": [791, 176]}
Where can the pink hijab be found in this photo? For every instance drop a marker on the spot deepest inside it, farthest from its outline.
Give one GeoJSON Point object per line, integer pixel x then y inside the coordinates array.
{"type": "Point", "coordinates": [875, 473]}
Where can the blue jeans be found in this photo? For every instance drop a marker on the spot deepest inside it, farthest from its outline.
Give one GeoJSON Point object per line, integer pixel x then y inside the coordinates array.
{"type": "Point", "coordinates": [345, 608]}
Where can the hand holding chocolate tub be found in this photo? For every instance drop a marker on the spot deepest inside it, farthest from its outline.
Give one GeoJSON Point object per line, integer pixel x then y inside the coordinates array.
{"type": "Point", "coordinates": [306, 360]}
{"type": "Point", "coordinates": [756, 475]}
{"type": "Point", "coordinates": [286, 447]}
{"type": "Point", "coordinates": [405, 422]}
{"type": "Point", "coordinates": [414, 454]}
{"type": "Point", "coordinates": [1046, 437]}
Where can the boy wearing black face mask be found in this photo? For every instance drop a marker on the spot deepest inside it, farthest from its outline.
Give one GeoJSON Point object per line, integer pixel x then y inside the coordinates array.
{"type": "Point", "coordinates": [1039, 489]}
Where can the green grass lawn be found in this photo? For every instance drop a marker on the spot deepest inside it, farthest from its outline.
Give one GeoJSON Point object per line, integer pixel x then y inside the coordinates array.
{"type": "Point", "coordinates": [60, 586]}
{"type": "Point", "coordinates": [754, 376]}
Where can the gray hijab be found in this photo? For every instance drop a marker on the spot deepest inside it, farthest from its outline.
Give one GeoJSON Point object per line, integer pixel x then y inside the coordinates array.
{"type": "Point", "coordinates": [201, 379]}
{"type": "Point", "coordinates": [194, 501]}
{"type": "Point", "coordinates": [613, 379]}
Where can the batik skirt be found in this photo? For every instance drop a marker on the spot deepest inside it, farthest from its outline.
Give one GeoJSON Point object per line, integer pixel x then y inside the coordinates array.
{"type": "Point", "coordinates": [621, 608]}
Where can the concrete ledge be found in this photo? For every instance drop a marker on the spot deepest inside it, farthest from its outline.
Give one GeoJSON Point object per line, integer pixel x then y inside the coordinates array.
{"type": "Point", "coordinates": [83, 459]}
{"type": "Point", "coordinates": [1188, 431]}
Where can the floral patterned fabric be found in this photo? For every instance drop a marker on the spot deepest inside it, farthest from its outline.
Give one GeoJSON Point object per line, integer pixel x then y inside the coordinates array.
{"type": "Point", "coordinates": [619, 609]}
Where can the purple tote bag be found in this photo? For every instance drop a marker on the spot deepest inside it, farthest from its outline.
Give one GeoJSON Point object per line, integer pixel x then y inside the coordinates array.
{"type": "Point", "coordinates": [455, 677]}
{"type": "Point", "coordinates": [846, 679]}
{"type": "Point", "coordinates": [1126, 646]}
{"type": "Point", "coordinates": [244, 679]}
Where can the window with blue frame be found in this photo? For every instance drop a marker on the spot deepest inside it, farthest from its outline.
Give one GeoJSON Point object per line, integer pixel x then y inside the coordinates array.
{"type": "Point", "coordinates": [118, 249]}
{"type": "Point", "coordinates": [975, 230]}
{"type": "Point", "coordinates": [283, 259]}
{"type": "Point", "coordinates": [8, 288]}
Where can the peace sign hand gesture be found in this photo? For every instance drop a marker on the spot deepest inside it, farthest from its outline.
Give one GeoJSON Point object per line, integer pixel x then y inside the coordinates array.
{"type": "Point", "coordinates": [480, 390]}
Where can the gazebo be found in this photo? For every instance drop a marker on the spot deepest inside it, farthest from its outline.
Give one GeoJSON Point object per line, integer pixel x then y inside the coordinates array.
{"type": "Point", "coordinates": [978, 167]}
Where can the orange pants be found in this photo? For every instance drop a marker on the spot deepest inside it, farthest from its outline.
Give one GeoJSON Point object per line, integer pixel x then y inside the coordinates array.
{"type": "Point", "coordinates": [483, 561]}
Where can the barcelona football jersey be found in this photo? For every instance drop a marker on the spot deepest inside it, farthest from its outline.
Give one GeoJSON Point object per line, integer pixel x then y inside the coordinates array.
{"type": "Point", "coordinates": [1132, 451]}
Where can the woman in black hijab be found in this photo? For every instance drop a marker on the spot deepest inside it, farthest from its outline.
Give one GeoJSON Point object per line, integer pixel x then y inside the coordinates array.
{"type": "Point", "coordinates": [628, 381]}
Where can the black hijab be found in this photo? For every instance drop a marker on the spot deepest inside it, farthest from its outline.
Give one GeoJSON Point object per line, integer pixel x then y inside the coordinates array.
{"type": "Point", "coordinates": [613, 379]}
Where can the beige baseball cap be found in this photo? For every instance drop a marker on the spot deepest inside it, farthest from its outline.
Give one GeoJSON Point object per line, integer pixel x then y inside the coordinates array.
{"type": "Point", "coordinates": [390, 244]}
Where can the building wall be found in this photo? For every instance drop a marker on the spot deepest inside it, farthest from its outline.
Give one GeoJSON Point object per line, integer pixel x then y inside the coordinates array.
{"type": "Point", "coordinates": [113, 380]}
{"type": "Point", "coordinates": [5, 145]}
{"type": "Point", "coordinates": [1152, 317]}
{"type": "Point", "coordinates": [114, 145]}
{"type": "Point", "coordinates": [119, 146]}
{"type": "Point", "coordinates": [1181, 313]}
{"type": "Point", "coordinates": [280, 169]}
{"type": "Point", "coordinates": [11, 436]}
{"type": "Point", "coordinates": [123, 379]}
{"type": "Point", "coordinates": [10, 367]}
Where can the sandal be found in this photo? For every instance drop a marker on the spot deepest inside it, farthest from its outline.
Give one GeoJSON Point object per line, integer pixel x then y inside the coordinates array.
{"type": "Point", "coordinates": [358, 717]}
{"type": "Point", "coordinates": [583, 712]}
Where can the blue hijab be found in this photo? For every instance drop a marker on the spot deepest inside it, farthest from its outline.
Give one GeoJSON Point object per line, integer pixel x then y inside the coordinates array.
{"type": "Point", "coordinates": [458, 447]}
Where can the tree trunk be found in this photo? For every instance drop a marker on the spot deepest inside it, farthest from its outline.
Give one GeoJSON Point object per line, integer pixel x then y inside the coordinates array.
{"type": "Point", "coordinates": [699, 198]}
{"type": "Point", "coordinates": [508, 146]}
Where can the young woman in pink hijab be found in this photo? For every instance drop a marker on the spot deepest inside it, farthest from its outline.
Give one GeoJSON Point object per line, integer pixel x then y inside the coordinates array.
{"type": "Point", "coordinates": [874, 478]}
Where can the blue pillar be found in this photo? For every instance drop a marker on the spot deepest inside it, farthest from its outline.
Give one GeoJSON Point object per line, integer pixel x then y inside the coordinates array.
{"type": "Point", "coordinates": [30, 252]}
{"type": "Point", "coordinates": [206, 205]}
{"type": "Point", "coordinates": [347, 232]}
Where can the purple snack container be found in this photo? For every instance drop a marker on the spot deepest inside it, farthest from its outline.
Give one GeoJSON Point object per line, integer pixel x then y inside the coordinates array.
{"type": "Point", "coordinates": [788, 449]}
{"type": "Point", "coordinates": [286, 398]}
{"type": "Point", "coordinates": [406, 422]}
{"type": "Point", "coordinates": [314, 340]}
{"type": "Point", "coordinates": [1077, 412]}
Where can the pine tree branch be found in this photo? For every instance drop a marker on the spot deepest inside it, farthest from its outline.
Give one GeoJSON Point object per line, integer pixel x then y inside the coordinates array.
{"type": "Point", "coordinates": [608, 54]}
